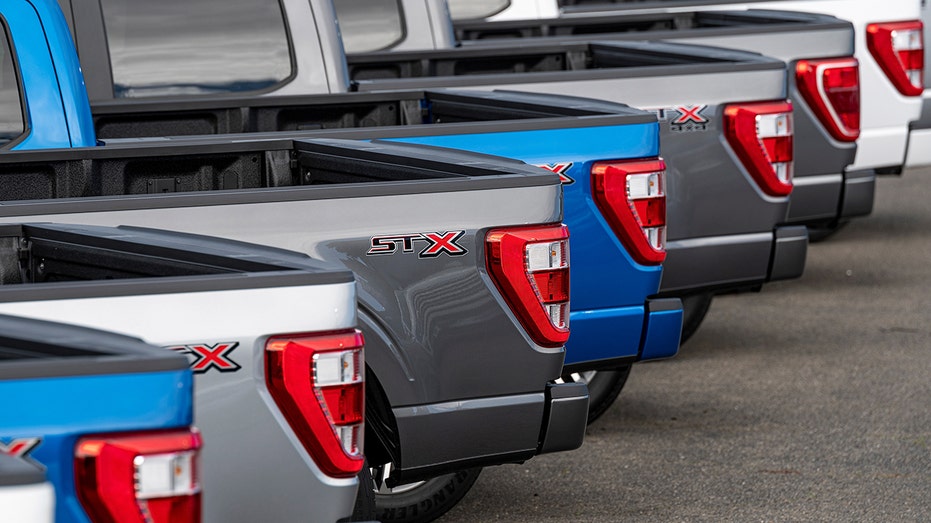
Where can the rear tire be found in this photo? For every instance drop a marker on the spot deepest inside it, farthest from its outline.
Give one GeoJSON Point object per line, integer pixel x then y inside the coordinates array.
{"type": "Point", "coordinates": [694, 309]}
{"type": "Point", "coordinates": [604, 386]}
{"type": "Point", "coordinates": [422, 501]}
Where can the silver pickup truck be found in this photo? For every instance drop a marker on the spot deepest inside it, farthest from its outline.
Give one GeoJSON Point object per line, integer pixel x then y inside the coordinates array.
{"type": "Point", "coordinates": [198, 298]}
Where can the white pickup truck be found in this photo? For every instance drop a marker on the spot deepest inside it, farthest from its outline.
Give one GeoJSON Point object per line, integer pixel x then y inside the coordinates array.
{"type": "Point", "coordinates": [889, 47]}
{"type": "Point", "coordinates": [25, 494]}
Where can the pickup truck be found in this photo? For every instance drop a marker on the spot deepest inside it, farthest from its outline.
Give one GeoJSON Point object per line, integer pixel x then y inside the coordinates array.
{"type": "Point", "coordinates": [727, 203]}
{"type": "Point", "coordinates": [26, 496]}
{"type": "Point", "coordinates": [818, 50]}
{"type": "Point", "coordinates": [423, 294]}
{"type": "Point", "coordinates": [184, 293]}
{"type": "Point", "coordinates": [919, 135]}
{"type": "Point", "coordinates": [615, 266]}
{"type": "Point", "coordinates": [92, 409]}
{"type": "Point", "coordinates": [889, 49]}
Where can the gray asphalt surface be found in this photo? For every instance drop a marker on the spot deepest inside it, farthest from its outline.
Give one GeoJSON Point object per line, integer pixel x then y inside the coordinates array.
{"type": "Point", "coordinates": [809, 401]}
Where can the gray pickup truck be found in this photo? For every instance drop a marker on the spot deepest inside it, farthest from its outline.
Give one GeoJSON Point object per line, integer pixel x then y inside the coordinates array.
{"type": "Point", "coordinates": [823, 86]}
{"type": "Point", "coordinates": [432, 316]}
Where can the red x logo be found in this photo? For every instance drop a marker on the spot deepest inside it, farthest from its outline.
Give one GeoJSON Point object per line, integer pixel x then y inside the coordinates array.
{"type": "Point", "coordinates": [208, 357]}
{"type": "Point", "coordinates": [443, 242]}
{"type": "Point", "coordinates": [690, 113]}
{"type": "Point", "coordinates": [19, 448]}
{"type": "Point", "coordinates": [560, 169]}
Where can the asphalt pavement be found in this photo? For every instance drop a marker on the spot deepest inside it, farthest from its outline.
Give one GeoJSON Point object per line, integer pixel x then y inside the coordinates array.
{"type": "Point", "coordinates": [808, 401]}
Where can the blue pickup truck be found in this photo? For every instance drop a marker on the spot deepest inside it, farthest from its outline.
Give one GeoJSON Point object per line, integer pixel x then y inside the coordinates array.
{"type": "Point", "coordinates": [438, 358]}
{"type": "Point", "coordinates": [95, 410]}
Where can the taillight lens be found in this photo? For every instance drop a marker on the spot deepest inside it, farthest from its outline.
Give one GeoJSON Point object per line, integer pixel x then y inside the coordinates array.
{"type": "Point", "coordinates": [530, 266]}
{"type": "Point", "coordinates": [761, 135]}
{"type": "Point", "coordinates": [317, 382]}
{"type": "Point", "coordinates": [831, 88]}
{"type": "Point", "coordinates": [631, 195]}
{"type": "Point", "coordinates": [149, 477]}
{"type": "Point", "coordinates": [898, 48]}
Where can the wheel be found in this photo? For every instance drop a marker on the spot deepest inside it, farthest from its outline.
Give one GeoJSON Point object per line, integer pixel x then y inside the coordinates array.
{"type": "Point", "coordinates": [819, 233]}
{"type": "Point", "coordinates": [419, 501]}
{"type": "Point", "coordinates": [694, 309]}
{"type": "Point", "coordinates": [604, 386]}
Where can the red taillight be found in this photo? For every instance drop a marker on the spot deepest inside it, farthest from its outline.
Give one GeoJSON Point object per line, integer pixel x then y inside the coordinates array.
{"type": "Point", "coordinates": [530, 266]}
{"type": "Point", "coordinates": [761, 135]}
{"type": "Point", "coordinates": [898, 48]}
{"type": "Point", "coordinates": [317, 382]}
{"type": "Point", "coordinates": [149, 477]}
{"type": "Point", "coordinates": [632, 197]}
{"type": "Point", "coordinates": [831, 88]}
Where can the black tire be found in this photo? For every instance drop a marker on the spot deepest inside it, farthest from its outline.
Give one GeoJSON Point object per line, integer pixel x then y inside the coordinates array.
{"type": "Point", "coordinates": [694, 309]}
{"type": "Point", "coordinates": [423, 501]}
{"type": "Point", "coordinates": [604, 386]}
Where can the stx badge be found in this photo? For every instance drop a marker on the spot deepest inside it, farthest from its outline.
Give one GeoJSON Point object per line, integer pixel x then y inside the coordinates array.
{"type": "Point", "coordinates": [560, 169]}
{"type": "Point", "coordinates": [19, 447]}
{"type": "Point", "coordinates": [690, 118]}
{"type": "Point", "coordinates": [206, 357]}
{"type": "Point", "coordinates": [436, 243]}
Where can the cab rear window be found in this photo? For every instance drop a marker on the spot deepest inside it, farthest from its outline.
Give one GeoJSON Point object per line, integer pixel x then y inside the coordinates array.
{"type": "Point", "coordinates": [369, 25]}
{"type": "Point", "coordinates": [469, 9]}
{"type": "Point", "coordinates": [184, 47]}
{"type": "Point", "coordinates": [12, 125]}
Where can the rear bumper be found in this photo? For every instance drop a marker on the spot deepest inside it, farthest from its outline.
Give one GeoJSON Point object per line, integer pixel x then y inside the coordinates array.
{"type": "Point", "coordinates": [919, 148]}
{"type": "Point", "coordinates": [607, 338]}
{"type": "Point", "coordinates": [489, 431]}
{"type": "Point", "coordinates": [919, 137]}
{"type": "Point", "coordinates": [566, 417]}
{"type": "Point", "coordinates": [663, 328]}
{"type": "Point", "coordinates": [859, 192]}
{"type": "Point", "coordinates": [815, 199]}
{"type": "Point", "coordinates": [827, 198]}
{"type": "Point", "coordinates": [790, 249]}
{"type": "Point", "coordinates": [733, 262]}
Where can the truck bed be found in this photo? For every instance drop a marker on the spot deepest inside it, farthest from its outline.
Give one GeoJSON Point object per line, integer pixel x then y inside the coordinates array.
{"type": "Point", "coordinates": [658, 25]}
{"type": "Point", "coordinates": [373, 115]}
{"type": "Point", "coordinates": [541, 61]}
{"type": "Point", "coordinates": [217, 166]}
